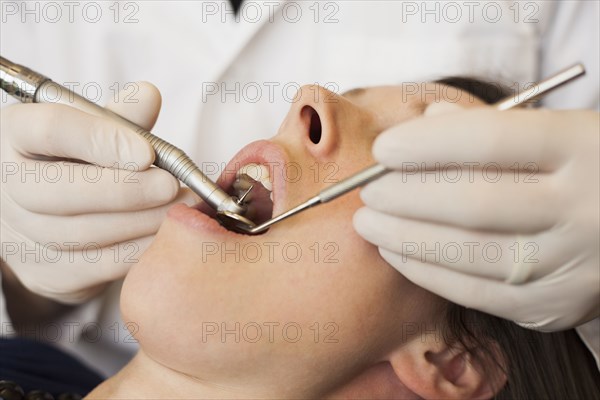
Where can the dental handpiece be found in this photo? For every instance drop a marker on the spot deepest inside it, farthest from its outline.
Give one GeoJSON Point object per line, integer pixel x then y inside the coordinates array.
{"type": "Point", "coordinates": [375, 171]}
{"type": "Point", "coordinates": [31, 87]}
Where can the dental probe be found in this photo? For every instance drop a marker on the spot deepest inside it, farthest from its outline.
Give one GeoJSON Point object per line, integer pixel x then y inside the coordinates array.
{"type": "Point", "coordinates": [29, 86]}
{"type": "Point", "coordinates": [375, 171]}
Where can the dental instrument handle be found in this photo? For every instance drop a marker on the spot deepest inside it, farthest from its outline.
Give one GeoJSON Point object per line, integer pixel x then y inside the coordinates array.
{"type": "Point", "coordinates": [542, 88]}
{"type": "Point", "coordinates": [31, 87]}
{"type": "Point", "coordinates": [361, 178]}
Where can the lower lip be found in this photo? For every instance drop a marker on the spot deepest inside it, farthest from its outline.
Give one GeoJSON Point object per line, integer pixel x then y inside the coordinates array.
{"type": "Point", "coordinates": [196, 220]}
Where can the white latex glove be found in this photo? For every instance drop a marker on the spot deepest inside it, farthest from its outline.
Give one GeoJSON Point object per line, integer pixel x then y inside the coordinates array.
{"type": "Point", "coordinates": [519, 239]}
{"type": "Point", "coordinates": [68, 227]}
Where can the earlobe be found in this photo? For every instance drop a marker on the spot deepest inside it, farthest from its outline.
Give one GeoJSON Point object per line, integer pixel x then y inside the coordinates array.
{"type": "Point", "coordinates": [434, 370]}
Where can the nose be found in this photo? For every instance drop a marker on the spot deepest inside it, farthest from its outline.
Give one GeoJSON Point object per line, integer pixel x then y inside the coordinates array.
{"type": "Point", "coordinates": [317, 111]}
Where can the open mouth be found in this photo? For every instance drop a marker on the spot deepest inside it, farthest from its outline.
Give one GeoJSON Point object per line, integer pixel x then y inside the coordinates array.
{"type": "Point", "coordinates": [253, 184]}
{"type": "Point", "coordinates": [253, 189]}
{"type": "Point", "coordinates": [257, 165]}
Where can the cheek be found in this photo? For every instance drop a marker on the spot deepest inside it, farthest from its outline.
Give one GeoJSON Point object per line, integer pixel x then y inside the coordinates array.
{"type": "Point", "coordinates": [343, 270]}
{"type": "Point", "coordinates": [161, 300]}
{"type": "Point", "coordinates": [171, 299]}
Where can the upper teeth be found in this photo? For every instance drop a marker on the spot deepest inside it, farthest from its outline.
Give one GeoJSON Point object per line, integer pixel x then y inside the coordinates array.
{"type": "Point", "coordinates": [257, 172]}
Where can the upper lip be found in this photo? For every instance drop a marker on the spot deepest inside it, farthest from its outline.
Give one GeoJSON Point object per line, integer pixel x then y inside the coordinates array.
{"type": "Point", "coordinates": [261, 152]}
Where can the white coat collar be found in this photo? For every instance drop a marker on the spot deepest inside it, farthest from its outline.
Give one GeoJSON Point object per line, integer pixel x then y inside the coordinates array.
{"type": "Point", "coordinates": [230, 34]}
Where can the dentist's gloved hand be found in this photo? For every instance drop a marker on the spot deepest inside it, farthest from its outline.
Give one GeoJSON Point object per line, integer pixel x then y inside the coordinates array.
{"type": "Point", "coordinates": [497, 211]}
{"type": "Point", "coordinates": [80, 200]}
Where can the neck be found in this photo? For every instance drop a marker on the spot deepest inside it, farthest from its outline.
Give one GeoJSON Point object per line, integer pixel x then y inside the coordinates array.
{"type": "Point", "coordinates": [144, 378]}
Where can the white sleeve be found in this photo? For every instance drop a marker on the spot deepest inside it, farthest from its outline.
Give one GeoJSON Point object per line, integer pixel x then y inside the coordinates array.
{"type": "Point", "coordinates": [573, 36]}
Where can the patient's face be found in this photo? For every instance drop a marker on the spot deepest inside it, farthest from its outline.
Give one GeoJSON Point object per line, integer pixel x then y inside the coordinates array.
{"type": "Point", "coordinates": [307, 303]}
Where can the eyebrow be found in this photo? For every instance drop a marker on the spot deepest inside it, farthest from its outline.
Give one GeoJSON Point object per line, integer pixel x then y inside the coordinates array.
{"type": "Point", "coordinates": [353, 92]}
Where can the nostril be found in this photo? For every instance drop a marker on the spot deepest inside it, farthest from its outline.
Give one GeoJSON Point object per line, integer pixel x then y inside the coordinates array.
{"type": "Point", "coordinates": [315, 127]}
{"type": "Point", "coordinates": [314, 131]}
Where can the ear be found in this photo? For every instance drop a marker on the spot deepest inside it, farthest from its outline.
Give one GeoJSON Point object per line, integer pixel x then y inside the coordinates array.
{"type": "Point", "coordinates": [434, 370]}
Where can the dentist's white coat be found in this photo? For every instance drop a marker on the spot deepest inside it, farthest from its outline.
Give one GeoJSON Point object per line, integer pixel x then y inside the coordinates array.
{"type": "Point", "coordinates": [187, 51]}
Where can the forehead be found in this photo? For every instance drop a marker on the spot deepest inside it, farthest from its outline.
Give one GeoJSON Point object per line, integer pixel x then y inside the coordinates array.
{"type": "Point", "coordinates": [394, 104]}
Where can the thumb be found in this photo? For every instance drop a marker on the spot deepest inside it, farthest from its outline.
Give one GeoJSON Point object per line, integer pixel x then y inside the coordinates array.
{"type": "Point", "coordinates": [139, 102]}
{"type": "Point", "coordinates": [442, 107]}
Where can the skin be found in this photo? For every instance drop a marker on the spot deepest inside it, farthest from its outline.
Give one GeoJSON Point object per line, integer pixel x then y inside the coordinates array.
{"type": "Point", "coordinates": [368, 315]}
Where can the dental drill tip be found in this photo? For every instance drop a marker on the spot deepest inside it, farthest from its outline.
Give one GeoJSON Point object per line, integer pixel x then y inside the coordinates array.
{"type": "Point", "coordinates": [240, 201]}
